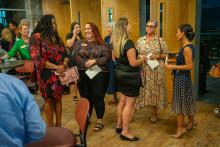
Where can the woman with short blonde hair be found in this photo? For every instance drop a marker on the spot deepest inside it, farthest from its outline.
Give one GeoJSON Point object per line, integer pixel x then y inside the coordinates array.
{"type": "Point", "coordinates": [153, 92]}
{"type": "Point", "coordinates": [6, 39]}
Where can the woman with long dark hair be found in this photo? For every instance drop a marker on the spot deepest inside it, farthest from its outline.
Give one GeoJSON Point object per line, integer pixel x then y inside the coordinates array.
{"type": "Point", "coordinates": [88, 53]}
{"type": "Point", "coordinates": [74, 35]}
{"type": "Point", "coordinates": [183, 97]}
{"type": "Point", "coordinates": [49, 55]}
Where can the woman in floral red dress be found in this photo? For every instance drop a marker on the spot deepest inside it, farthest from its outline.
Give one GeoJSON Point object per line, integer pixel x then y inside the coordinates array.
{"type": "Point", "coordinates": [49, 55]}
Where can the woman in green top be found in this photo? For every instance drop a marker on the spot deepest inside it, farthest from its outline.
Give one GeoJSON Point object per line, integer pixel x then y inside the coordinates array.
{"type": "Point", "coordinates": [21, 46]}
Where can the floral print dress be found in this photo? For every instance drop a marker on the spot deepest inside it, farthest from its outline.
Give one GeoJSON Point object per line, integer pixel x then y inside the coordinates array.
{"type": "Point", "coordinates": [153, 92]}
{"type": "Point", "coordinates": [42, 50]}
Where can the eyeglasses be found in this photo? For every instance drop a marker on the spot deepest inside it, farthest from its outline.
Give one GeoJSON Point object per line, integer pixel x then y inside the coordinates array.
{"type": "Point", "coordinates": [149, 26]}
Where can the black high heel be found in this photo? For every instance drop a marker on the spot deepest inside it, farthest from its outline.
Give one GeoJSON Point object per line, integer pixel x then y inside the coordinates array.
{"type": "Point", "coordinates": [118, 130]}
{"type": "Point", "coordinates": [128, 139]}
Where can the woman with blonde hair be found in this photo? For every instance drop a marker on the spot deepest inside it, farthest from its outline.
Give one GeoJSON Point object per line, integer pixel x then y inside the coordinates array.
{"type": "Point", "coordinates": [127, 76]}
{"type": "Point", "coordinates": [21, 46]}
{"type": "Point", "coordinates": [6, 39]}
{"type": "Point", "coordinates": [111, 64]}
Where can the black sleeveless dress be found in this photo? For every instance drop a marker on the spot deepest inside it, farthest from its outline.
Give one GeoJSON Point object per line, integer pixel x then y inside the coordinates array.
{"type": "Point", "coordinates": [127, 77]}
{"type": "Point", "coordinates": [183, 95]}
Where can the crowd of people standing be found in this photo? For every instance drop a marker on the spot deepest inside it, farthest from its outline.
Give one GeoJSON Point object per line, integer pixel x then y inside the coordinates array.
{"type": "Point", "coordinates": [124, 67]}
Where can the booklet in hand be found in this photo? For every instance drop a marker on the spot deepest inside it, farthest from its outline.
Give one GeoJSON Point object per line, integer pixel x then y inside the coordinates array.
{"type": "Point", "coordinates": [71, 75]}
{"type": "Point", "coordinates": [93, 71]}
{"type": "Point", "coordinates": [152, 63]}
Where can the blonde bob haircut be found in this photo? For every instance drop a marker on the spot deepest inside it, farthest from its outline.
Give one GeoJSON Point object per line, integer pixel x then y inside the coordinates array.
{"type": "Point", "coordinates": [6, 35]}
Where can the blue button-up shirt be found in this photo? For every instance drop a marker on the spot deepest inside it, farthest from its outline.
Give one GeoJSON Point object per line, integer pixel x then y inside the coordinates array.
{"type": "Point", "coordinates": [20, 119]}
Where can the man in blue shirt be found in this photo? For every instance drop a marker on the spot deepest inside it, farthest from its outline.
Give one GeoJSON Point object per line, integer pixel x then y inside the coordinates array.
{"type": "Point", "coordinates": [20, 119]}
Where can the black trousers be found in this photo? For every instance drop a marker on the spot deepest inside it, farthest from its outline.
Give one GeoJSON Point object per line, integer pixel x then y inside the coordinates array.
{"type": "Point", "coordinates": [94, 90]}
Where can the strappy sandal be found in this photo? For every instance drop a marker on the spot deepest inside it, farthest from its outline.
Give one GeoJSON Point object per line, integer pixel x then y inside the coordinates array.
{"type": "Point", "coordinates": [98, 127]}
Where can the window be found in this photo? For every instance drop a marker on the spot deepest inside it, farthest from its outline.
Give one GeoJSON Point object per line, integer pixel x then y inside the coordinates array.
{"type": "Point", "coordinates": [3, 18]}
{"type": "Point", "coordinates": [110, 14]}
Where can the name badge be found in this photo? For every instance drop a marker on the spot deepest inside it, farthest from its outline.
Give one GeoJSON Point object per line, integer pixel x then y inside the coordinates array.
{"type": "Point", "coordinates": [23, 46]}
{"type": "Point", "coordinates": [84, 44]}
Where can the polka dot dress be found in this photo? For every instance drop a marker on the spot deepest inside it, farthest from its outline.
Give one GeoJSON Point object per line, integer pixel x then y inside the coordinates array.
{"type": "Point", "coordinates": [183, 95]}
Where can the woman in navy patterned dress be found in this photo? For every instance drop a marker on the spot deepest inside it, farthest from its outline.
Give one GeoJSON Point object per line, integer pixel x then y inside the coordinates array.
{"type": "Point", "coordinates": [183, 97]}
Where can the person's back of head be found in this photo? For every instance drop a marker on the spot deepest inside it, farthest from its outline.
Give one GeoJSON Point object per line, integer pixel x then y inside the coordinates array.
{"type": "Point", "coordinates": [1, 27]}
{"type": "Point", "coordinates": [6, 35]}
{"type": "Point", "coordinates": [21, 122]}
{"type": "Point", "coordinates": [12, 25]}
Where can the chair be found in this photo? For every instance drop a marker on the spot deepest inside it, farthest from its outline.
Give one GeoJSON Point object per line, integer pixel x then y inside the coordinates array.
{"type": "Point", "coordinates": [28, 67]}
{"type": "Point", "coordinates": [55, 137]}
{"type": "Point", "coordinates": [82, 118]}
{"type": "Point", "coordinates": [28, 74]}
{"type": "Point", "coordinates": [62, 137]}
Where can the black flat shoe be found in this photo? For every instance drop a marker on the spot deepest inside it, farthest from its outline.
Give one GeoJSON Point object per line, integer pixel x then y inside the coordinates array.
{"type": "Point", "coordinates": [118, 130]}
{"type": "Point", "coordinates": [129, 139]}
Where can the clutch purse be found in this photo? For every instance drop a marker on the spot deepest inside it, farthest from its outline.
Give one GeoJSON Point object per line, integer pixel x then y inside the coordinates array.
{"type": "Point", "coordinates": [70, 75]}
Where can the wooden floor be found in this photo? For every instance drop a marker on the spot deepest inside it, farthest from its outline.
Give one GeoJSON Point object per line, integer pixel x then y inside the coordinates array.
{"type": "Point", "coordinates": [207, 133]}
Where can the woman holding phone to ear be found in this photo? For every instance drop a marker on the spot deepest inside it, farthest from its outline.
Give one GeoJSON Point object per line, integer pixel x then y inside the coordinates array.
{"type": "Point", "coordinates": [71, 38]}
{"type": "Point", "coordinates": [74, 35]}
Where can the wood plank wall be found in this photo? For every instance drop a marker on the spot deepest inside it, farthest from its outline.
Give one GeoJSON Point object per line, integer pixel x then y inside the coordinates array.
{"type": "Point", "coordinates": [90, 10]}
{"type": "Point", "coordinates": [62, 14]}
{"type": "Point", "coordinates": [122, 8]}
{"type": "Point", "coordinates": [176, 13]}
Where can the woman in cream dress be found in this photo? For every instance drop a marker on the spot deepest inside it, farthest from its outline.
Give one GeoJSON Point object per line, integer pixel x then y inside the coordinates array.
{"type": "Point", "coordinates": [153, 92]}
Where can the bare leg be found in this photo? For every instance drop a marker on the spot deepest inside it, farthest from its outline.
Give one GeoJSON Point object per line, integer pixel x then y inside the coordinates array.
{"type": "Point", "coordinates": [180, 126]}
{"type": "Point", "coordinates": [114, 99]}
{"type": "Point", "coordinates": [49, 111]}
{"type": "Point", "coordinates": [126, 115]}
{"type": "Point", "coordinates": [153, 118]}
{"type": "Point", "coordinates": [58, 112]}
{"type": "Point", "coordinates": [154, 111]}
{"type": "Point", "coordinates": [120, 108]}
{"type": "Point", "coordinates": [192, 123]}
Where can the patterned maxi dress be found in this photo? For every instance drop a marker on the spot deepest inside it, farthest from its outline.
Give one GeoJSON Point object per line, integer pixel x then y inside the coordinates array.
{"type": "Point", "coordinates": [41, 51]}
{"type": "Point", "coordinates": [153, 92]}
{"type": "Point", "coordinates": [183, 97]}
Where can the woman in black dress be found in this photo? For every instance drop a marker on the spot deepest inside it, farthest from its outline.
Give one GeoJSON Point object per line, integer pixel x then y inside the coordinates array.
{"type": "Point", "coordinates": [183, 97]}
{"type": "Point", "coordinates": [127, 76]}
{"type": "Point", "coordinates": [71, 38]}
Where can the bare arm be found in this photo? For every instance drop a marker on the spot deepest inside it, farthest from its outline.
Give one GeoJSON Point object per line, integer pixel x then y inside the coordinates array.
{"type": "Point", "coordinates": [131, 54]}
{"type": "Point", "coordinates": [188, 61]}
{"type": "Point", "coordinates": [71, 41]}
